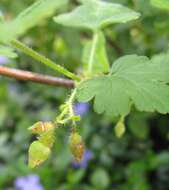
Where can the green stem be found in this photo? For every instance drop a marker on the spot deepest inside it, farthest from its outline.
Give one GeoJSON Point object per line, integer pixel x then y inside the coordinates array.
{"type": "Point", "coordinates": [91, 57]}
{"type": "Point", "coordinates": [68, 110]}
{"type": "Point", "coordinates": [43, 59]}
{"type": "Point", "coordinates": [70, 103]}
{"type": "Point", "coordinates": [61, 116]}
{"type": "Point", "coordinates": [72, 97]}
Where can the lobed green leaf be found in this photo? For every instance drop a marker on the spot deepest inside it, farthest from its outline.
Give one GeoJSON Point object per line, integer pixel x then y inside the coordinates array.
{"type": "Point", "coordinates": [134, 80]}
{"type": "Point", "coordinates": [94, 15]}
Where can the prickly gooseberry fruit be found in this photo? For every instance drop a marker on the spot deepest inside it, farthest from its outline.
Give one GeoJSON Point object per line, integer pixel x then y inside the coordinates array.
{"type": "Point", "coordinates": [38, 153]}
{"type": "Point", "coordinates": [77, 146]}
{"type": "Point", "coordinates": [41, 127]}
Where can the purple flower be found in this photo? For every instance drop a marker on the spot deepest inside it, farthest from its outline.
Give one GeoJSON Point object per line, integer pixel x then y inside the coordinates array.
{"type": "Point", "coordinates": [3, 60]}
{"type": "Point", "coordinates": [81, 108]}
{"type": "Point", "coordinates": [88, 155]}
{"type": "Point", "coordinates": [30, 182]}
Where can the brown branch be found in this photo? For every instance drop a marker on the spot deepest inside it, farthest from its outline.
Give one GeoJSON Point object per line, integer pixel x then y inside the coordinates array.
{"type": "Point", "coordinates": [35, 77]}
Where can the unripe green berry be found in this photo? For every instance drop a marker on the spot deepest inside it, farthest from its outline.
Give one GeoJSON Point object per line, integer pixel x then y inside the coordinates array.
{"type": "Point", "coordinates": [77, 146]}
{"type": "Point", "coordinates": [120, 129]}
{"type": "Point", "coordinates": [38, 153]}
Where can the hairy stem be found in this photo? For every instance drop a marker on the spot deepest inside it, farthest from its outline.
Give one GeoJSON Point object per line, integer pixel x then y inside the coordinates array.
{"type": "Point", "coordinates": [70, 104]}
{"type": "Point", "coordinates": [43, 59]}
{"type": "Point", "coordinates": [67, 113]}
{"type": "Point", "coordinates": [91, 57]}
{"type": "Point", "coordinates": [72, 97]}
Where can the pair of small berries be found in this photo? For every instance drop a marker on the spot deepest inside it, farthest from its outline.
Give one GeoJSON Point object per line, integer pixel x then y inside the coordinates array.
{"type": "Point", "coordinates": [40, 150]}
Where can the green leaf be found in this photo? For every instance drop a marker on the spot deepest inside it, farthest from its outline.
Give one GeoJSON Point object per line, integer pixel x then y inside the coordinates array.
{"type": "Point", "coordinates": [75, 177]}
{"type": "Point", "coordinates": [138, 125]}
{"type": "Point", "coordinates": [95, 56]}
{"type": "Point", "coordinates": [28, 18]}
{"type": "Point", "coordinates": [100, 179]}
{"type": "Point", "coordinates": [161, 159]}
{"type": "Point", "coordinates": [7, 52]}
{"type": "Point", "coordinates": [84, 1]}
{"type": "Point", "coordinates": [38, 153]}
{"type": "Point", "coordinates": [163, 4]}
{"type": "Point", "coordinates": [96, 14]}
{"type": "Point", "coordinates": [133, 80]}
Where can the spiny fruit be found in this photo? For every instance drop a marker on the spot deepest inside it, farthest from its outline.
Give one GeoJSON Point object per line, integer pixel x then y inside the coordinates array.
{"type": "Point", "coordinates": [38, 153]}
{"type": "Point", "coordinates": [47, 138]}
{"type": "Point", "coordinates": [77, 146]}
{"type": "Point", "coordinates": [41, 127]}
{"type": "Point", "coordinates": [39, 150]}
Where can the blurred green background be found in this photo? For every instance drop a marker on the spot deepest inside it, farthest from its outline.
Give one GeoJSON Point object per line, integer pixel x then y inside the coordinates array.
{"type": "Point", "coordinates": [138, 161]}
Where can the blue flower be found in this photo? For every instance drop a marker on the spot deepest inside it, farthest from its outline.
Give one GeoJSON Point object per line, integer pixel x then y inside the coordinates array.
{"type": "Point", "coordinates": [30, 182]}
{"type": "Point", "coordinates": [3, 60]}
{"type": "Point", "coordinates": [81, 108]}
{"type": "Point", "coordinates": [88, 155]}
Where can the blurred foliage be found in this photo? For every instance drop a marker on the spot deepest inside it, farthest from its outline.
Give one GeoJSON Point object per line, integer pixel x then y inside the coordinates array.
{"type": "Point", "coordinates": [138, 161]}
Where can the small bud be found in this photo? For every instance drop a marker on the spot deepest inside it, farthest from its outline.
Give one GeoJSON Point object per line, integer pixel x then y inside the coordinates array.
{"type": "Point", "coordinates": [38, 153]}
{"type": "Point", "coordinates": [120, 129]}
{"type": "Point", "coordinates": [41, 127]}
{"type": "Point", "coordinates": [77, 146]}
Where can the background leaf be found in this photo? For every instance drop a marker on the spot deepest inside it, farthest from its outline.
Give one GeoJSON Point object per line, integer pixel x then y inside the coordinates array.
{"type": "Point", "coordinates": [133, 80]}
{"type": "Point", "coordinates": [28, 18]}
{"type": "Point", "coordinates": [100, 179]}
{"type": "Point", "coordinates": [7, 52]}
{"type": "Point", "coordinates": [163, 4]}
{"type": "Point", "coordinates": [96, 14]}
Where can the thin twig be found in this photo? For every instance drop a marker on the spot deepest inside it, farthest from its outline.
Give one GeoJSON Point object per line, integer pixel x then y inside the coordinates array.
{"type": "Point", "coordinates": [35, 77]}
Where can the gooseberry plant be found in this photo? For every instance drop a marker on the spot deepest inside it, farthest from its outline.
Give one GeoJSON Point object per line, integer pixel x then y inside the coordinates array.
{"type": "Point", "coordinates": [132, 80]}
